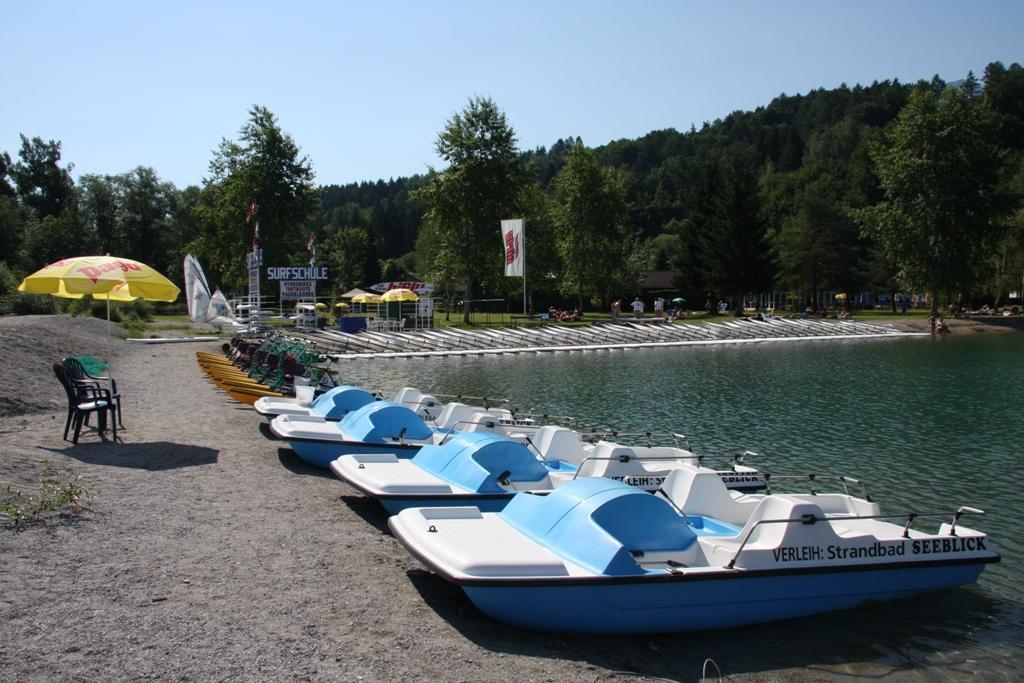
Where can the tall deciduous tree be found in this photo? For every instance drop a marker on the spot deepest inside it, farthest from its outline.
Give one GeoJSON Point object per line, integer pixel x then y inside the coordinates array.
{"type": "Point", "coordinates": [54, 229]}
{"type": "Point", "coordinates": [264, 166]}
{"type": "Point", "coordinates": [43, 185]}
{"type": "Point", "coordinates": [100, 199]}
{"type": "Point", "coordinates": [942, 206]}
{"type": "Point", "coordinates": [466, 201]}
{"type": "Point", "coordinates": [12, 223]}
{"type": "Point", "coordinates": [349, 255]}
{"type": "Point", "coordinates": [590, 226]}
{"type": "Point", "coordinates": [144, 221]}
{"type": "Point", "coordinates": [131, 215]}
{"type": "Point", "coordinates": [55, 237]}
{"type": "Point", "coordinates": [543, 265]}
{"type": "Point", "coordinates": [6, 189]}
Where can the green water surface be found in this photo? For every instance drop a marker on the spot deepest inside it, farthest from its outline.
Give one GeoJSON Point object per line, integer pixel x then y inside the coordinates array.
{"type": "Point", "coordinates": [928, 424]}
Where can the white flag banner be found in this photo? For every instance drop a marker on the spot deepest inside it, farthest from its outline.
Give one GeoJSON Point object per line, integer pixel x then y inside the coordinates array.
{"type": "Point", "coordinates": [513, 234]}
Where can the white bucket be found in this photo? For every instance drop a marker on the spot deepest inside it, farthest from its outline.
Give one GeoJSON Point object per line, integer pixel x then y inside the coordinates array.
{"type": "Point", "coordinates": [304, 394]}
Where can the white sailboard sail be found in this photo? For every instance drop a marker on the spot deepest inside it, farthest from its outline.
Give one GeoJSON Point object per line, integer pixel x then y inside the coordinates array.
{"type": "Point", "coordinates": [204, 307]}
{"type": "Point", "coordinates": [219, 306]}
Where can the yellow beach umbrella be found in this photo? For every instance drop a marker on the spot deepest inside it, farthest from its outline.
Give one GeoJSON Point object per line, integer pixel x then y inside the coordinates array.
{"type": "Point", "coordinates": [103, 277]}
{"type": "Point", "coordinates": [119, 293]}
{"type": "Point", "coordinates": [366, 299]}
{"type": "Point", "coordinates": [343, 306]}
{"type": "Point", "coordinates": [399, 294]}
{"type": "Point", "coordinates": [98, 275]}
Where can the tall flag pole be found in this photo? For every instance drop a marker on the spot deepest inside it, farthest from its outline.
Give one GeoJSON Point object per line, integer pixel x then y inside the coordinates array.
{"type": "Point", "coordinates": [254, 260]}
{"type": "Point", "coordinates": [311, 248]}
{"type": "Point", "coordinates": [249, 213]}
{"type": "Point", "coordinates": [513, 232]}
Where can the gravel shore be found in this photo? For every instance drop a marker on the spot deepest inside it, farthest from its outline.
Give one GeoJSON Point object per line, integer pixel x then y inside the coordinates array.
{"type": "Point", "coordinates": [211, 552]}
{"type": "Point", "coordinates": [991, 324]}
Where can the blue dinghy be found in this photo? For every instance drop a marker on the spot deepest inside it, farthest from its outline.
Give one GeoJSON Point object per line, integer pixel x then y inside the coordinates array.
{"type": "Point", "coordinates": [598, 556]}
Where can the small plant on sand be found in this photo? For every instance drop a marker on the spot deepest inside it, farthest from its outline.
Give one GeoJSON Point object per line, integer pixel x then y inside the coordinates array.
{"type": "Point", "coordinates": [67, 498]}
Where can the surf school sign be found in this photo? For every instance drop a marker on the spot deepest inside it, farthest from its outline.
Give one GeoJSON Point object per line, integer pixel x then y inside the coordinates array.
{"type": "Point", "coordinates": [297, 289]}
{"type": "Point", "coordinates": [297, 273]}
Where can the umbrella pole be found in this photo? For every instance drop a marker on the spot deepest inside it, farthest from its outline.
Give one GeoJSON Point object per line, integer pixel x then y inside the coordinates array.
{"type": "Point", "coordinates": [110, 348]}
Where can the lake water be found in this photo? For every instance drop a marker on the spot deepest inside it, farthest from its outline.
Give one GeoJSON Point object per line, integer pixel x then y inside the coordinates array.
{"type": "Point", "coordinates": [928, 424]}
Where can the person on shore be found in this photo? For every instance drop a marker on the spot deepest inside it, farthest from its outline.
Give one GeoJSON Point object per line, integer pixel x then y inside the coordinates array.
{"type": "Point", "coordinates": [616, 308]}
{"type": "Point", "coordinates": [659, 307]}
{"type": "Point", "coordinates": [638, 308]}
{"type": "Point", "coordinates": [941, 327]}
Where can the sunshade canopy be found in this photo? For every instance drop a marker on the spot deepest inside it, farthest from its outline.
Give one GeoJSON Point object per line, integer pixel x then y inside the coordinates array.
{"type": "Point", "coordinates": [104, 277]}
{"type": "Point", "coordinates": [399, 294]}
{"type": "Point", "coordinates": [366, 299]}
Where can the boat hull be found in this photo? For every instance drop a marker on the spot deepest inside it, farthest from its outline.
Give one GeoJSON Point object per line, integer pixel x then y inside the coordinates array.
{"type": "Point", "coordinates": [693, 603]}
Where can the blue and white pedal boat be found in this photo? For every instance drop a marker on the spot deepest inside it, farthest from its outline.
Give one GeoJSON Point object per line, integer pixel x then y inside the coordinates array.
{"type": "Point", "coordinates": [487, 470]}
{"type": "Point", "coordinates": [475, 468]}
{"type": "Point", "coordinates": [333, 404]}
{"type": "Point", "coordinates": [598, 556]}
{"type": "Point", "coordinates": [378, 427]}
{"type": "Point", "coordinates": [339, 401]}
{"type": "Point", "coordinates": [386, 427]}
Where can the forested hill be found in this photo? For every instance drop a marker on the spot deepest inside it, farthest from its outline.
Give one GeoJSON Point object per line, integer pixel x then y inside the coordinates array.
{"type": "Point", "coordinates": [807, 157]}
{"type": "Point", "coordinates": [823, 126]}
{"type": "Point", "coordinates": [785, 197]}
{"type": "Point", "coordinates": [384, 209]}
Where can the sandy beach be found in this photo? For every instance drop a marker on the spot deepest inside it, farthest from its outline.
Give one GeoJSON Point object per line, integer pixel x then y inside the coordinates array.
{"type": "Point", "coordinates": [210, 552]}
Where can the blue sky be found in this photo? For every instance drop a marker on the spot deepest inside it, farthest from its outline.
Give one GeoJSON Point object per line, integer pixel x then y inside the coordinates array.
{"type": "Point", "coordinates": [364, 88]}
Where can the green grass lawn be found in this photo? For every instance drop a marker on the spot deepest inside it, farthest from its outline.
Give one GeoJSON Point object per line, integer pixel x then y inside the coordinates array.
{"type": "Point", "coordinates": [156, 323]}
